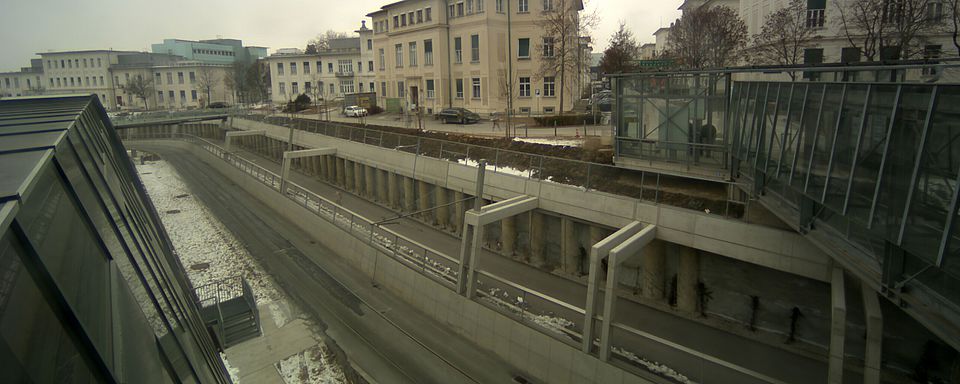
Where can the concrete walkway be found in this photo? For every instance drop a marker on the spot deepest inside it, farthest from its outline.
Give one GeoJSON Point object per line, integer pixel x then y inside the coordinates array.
{"type": "Point", "coordinates": [255, 358]}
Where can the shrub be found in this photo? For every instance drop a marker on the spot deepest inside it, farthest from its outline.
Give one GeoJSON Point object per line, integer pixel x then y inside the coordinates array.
{"type": "Point", "coordinates": [565, 120]}
{"type": "Point", "coordinates": [300, 103]}
{"type": "Point", "coordinates": [373, 110]}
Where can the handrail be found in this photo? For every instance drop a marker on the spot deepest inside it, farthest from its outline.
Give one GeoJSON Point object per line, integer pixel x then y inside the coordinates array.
{"type": "Point", "coordinates": [541, 295]}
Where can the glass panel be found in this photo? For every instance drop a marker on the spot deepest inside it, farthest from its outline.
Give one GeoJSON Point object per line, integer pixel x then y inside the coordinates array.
{"type": "Point", "coordinates": [768, 126]}
{"type": "Point", "coordinates": [872, 142]}
{"type": "Point", "coordinates": [823, 141]}
{"type": "Point", "coordinates": [37, 347]}
{"type": "Point", "coordinates": [905, 142]}
{"type": "Point", "coordinates": [845, 147]}
{"type": "Point", "coordinates": [72, 255]}
{"type": "Point", "coordinates": [808, 126]}
{"type": "Point", "coordinates": [777, 130]}
{"type": "Point", "coordinates": [792, 131]}
{"type": "Point", "coordinates": [936, 182]}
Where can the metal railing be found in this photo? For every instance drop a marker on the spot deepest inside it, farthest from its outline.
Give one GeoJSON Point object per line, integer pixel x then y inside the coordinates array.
{"type": "Point", "coordinates": [551, 316]}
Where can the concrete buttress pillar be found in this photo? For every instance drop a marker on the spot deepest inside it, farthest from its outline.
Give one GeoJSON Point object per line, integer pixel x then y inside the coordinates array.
{"type": "Point", "coordinates": [508, 236]}
{"type": "Point", "coordinates": [537, 239]}
{"type": "Point", "coordinates": [688, 274]}
{"type": "Point", "coordinates": [382, 186]}
{"type": "Point", "coordinates": [458, 212]}
{"type": "Point", "coordinates": [393, 189]}
{"type": "Point", "coordinates": [348, 178]}
{"type": "Point", "coordinates": [569, 248]}
{"type": "Point", "coordinates": [358, 177]}
{"type": "Point", "coordinates": [443, 211]}
{"type": "Point", "coordinates": [424, 201]}
{"type": "Point", "coordinates": [838, 327]}
{"type": "Point", "coordinates": [341, 172]}
{"type": "Point", "coordinates": [408, 195]}
{"type": "Point", "coordinates": [654, 270]}
{"type": "Point", "coordinates": [874, 342]}
{"type": "Point", "coordinates": [368, 183]}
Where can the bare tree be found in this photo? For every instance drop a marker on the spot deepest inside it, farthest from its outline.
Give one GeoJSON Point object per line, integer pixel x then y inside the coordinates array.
{"type": "Point", "coordinates": [235, 80]}
{"type": "Point", "coordinates": [258, 80]}
{"type": "Point", "coordinates": [784, 36]}
{"type": "Point", "coordinates": [561, 50]}
{"type": "Point", "coordinates": [622, 54]}
{"type": "Point", "coordinates": [707, 37]}
{"type": "Point", "coordinates": [322, 41]}
{"type": "Point", "coordinates": [952, 9]}
{"type": "Point", "coordinates": [874, 25]}
{"type": "Point", "coordinates": [140, 86]}
{"type": "Point", "coordinates": [206, 80]}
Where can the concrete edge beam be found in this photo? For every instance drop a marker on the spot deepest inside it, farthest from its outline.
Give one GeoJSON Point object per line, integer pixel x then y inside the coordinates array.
{"type": "Point", "coordinates": [309, 153]}
{"type": "Point", "coordinates": [230, 135]}
{"type": "Point", "coordinates": [503, 209]}
{"type": "Point", "coordinates": [627, 249]}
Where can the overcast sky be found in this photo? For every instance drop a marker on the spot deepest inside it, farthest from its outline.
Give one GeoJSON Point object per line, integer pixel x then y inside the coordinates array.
{"type": "Point", "coordinates": [32, 26]}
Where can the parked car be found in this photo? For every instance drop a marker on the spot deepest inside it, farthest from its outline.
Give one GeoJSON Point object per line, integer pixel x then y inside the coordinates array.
{"type": "Point", "coordinates": [458, 115]}
{"type": "Point", "coordinates": [354, 111]}
{"type": "Point", "coordinates": [218, 104]}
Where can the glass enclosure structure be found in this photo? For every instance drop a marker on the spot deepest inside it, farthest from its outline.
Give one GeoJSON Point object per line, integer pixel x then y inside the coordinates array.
{"type": "Point", "coordinates": [673, 122]}
{"type": "Point", "coordinates": [874, 164]}
{"type": "Point", "coordinates": [90, 290]}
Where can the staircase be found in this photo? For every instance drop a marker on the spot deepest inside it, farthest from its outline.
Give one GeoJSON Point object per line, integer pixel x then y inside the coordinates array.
{"type": "Point", "coordinates": [229, 310]}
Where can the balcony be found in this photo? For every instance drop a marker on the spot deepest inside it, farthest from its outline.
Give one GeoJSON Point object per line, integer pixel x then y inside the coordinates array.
{"type": "Point", "coordinates": [344, 74]}
{"type": "Point", "coordinates": [816, 18]}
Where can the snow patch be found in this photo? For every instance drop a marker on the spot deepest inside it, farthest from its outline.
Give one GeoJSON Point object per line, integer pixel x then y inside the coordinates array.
{"type": "Point", "coordinates": [516, 305]}
{"type": "Point", "coordinates": [233, 371]}
{"type": "Point", "coordinates": [315, 365]}
{"type": "Point", "coordinates": [495, 168]}
{"type": "Point", "coordinates": [652, 366]}
{"type": "Point", "coordinates": [551, 141]}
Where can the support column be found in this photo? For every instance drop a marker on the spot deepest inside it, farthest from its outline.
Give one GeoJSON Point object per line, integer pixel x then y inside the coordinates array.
{"type": "Point", "coordinates": [369, 183]}
{"type": "Point", "coordinates": [443, 211]}
{"type": "Point", "coordinates": [341, 172]}
{"type": "Point", "coordinates": [654, 270]}
{"type": "Point", "coordinates": [330, 168]}
{"type": "Point", "coordinates": [688, 274]}
{"type": "Point", "coordinates": [393, 190]}
{"type": "Point", "coordinates": [874, 342]}
{"type": "Point", "coordinates": [458, 212]}
{"type": "Point", "coordinates": [423, 201]}
{"type": "Point", "coordinates": [508, 236]}
{"type": "Point", "coordinates": [358, 177]}
{"type": "Point", "coordinates": [349, 183]}
{"type": "Point", "coordinates": [838, 327]}
{"type": "Point", "coordinates": [382, 186]}
{"type": "Point", "coordinates": [408, 195]}
{"type": "Point", "coordinates": [537, 239]}
{"type": "Point", "coordinates": [569, 250]}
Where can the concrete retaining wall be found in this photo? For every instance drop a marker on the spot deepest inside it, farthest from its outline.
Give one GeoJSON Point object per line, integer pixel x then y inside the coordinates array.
{"type": "Point", "coordinates": [769, 247]}
{"type": "Point", "coordinates": [540, 356]}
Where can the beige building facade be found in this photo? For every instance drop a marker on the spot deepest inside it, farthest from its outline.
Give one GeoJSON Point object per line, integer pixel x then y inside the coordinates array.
{"type": "Point", "coordinates": [435, 54]}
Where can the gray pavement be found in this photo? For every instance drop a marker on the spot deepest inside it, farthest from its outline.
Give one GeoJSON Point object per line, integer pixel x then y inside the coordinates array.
{"type": "Point", "coordinates": [388, 339]}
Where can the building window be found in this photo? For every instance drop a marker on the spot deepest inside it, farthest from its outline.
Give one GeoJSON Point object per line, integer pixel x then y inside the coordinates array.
{"type": "Point", "coordinates": [319, 67]}
{"type": "Point", "coordinates": [183, 97]}
{"type": "Point", "coordinates": [499, 6]}
{"type": "Point", "coordinates": [401, 90]}
{"type": "Point", "coordinates": [156, 79]}
{"type": "Point", "coordinates": [413, 54]}
{"type": "Point", "coordinates": [293, 68]}
{"type": "Point", "coordinates": [475, 86]}
{"type": "Point", "coordinates": [549, 110]}
{"type": "Point", "coordinates": [934, 11]}
{"type": "Point", "coordinates": [403, 20]}
{"type": "Point", "coordinates": [169, 77]}
{"type": "Point", "coordinates": [396, 22]}
{"type": "Point", "coordinates": [431, 93]}
{"type": "Point", "coordinates": [193, 77]}
{"type": "Point", "coordinates": [193, 95]}
{"type": "Point", "coordinates": [457, 50]}
{"type": "Point", "coordinates": [51, 82]}
{"type": "Point", "coordinates": [524, 110]}
{"type": "Point", "coordinates": [931, 52]}
{"type": "Point", "coordinates": [383, 87]}
{"type": "Point", "coordinates": [283, 88]}
{"type": "Point", "coordinates": [459, 88]}
{"type": "Point", "coordinates": [345, 66]}
{"type": "Point", "coordinates": [370, 66]}
{"type": "Point", "coordinates": [171, 97]}
{"type": "Point", "coordinates": [101, 81]}
{"type": "Point", "coordinates": [474, 48]}
{"type": "Point", "coordinates": [159, 96]}
{"type": "Point", "coordinates": [306, 67]}
{"type": "Point", "coordinates": [371, 87]}
{"type": "Point", "coordinates": [523, 48]}
{"type": "Point", "coordinates": [306, 87]}
{"type": "Point", "coordinates": [419, 16]}
{"type": "Point", "coordinates": [86, 81]}
{"type": "Point", "coordinates": [479, 6]}
{"type": "Point", "coordinates": [58, 82]}
{"type": "Point", "coordinates": [98, 63]}
{"type": "Point", "coordinates": [279, 69]}
{"type": "Point", "coordinates": [469, 7]}
{"type": "Point", "coordinates": [84, 62]}
{"type": "Point", "coordinates": [547, 5]}
{"type": "Point", "coordinates": [548, 47]}
{"type": "Point", "coordinates": [399, 55]}
{"type": "Point", "coordinates": [330, 67]}
{"type": "Point", "coordinates": [523, 6]}
{"type": "Point", "coordinates": [179, 77]}
{"type": "Point", "coordinates": [428, 52]}
{"type": "Point", "coordinates": [369, 44]}
{"type": "Point", "coordinates": [383, 62]}
{"type": "Point", "coordinates": [549, 86]}
{"type": "Point", "coordinates": [524, 87]}
{"type": "Point", "coordinates": [460, 9]}
{"type": "Point", "coordinates": [62, 65]}
{"type": "Point", "coordinates": [428, 14]}
{"type": "Point", "coordinates": [452, 11]}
